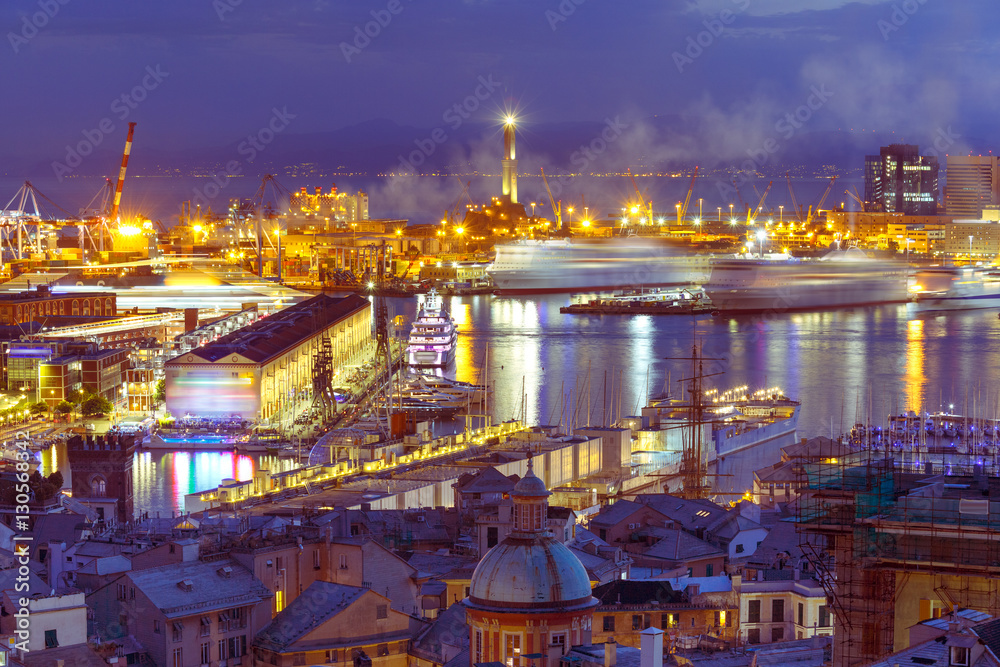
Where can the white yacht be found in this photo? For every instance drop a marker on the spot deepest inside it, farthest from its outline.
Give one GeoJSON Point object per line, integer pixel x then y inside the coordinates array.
{"type": "Point", "coordinates": [433, 336]}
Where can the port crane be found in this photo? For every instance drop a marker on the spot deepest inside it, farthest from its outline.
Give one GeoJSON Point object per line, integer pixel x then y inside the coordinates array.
{"type": "Point", "coordinates": [819, 205]}
{"type": "Point", "coordinates": [556, 205]}
{"type": "Point", "coordinates": [687, 199]}
{"type": "Point", "coordinates": [751, 215]}
{"type": "Point", "coordinates": [791, 193]}
{"type": "Point", "coordinates": [116, 202]}
{"type": "Point", "coordinates": [855, 197]}
{"type": "Point", "coordinates": [450, 215]}
{"type": "Point", "coordinates": [646, 210]}
{"type": "Point", "coordinates": [743, 205]}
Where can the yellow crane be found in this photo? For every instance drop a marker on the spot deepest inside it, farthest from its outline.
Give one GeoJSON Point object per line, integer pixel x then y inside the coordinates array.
{"type": "Point", "coordinates": [556, 205]}
{"type": "Point", "coordinates": [822, 199]}
{"type": "Point", "coordinates": [687, 199]}
{"type": "Point", "coordinates": [646, 209]}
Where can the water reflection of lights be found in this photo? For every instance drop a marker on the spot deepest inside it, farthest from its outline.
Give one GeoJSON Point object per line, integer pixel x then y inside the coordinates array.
{"type": "Point", "coordinates": [915, 378]}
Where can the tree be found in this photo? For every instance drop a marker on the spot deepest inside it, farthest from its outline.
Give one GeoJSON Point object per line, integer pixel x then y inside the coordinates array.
{"type": "Point", "coordinates": [41, 407]}
{"type": "Point", "coordinates": [161, 391]}
{"type": "Point", "coordinates": [64, 407]}
{"type": "Point", "coordinates": [77, 396]}
{"type": "Point", "coordinates": [96, 405]}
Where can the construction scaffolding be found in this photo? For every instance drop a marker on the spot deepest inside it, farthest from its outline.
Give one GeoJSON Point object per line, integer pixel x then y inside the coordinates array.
{"type": "Point", "coordinates": [893, 548]}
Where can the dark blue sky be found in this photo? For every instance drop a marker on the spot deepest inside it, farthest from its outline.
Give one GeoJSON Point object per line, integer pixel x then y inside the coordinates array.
{"type": "Point", "coordinates": [919, 68]}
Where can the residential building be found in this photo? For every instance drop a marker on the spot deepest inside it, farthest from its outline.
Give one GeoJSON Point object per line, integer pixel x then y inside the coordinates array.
{"type": "Point", "coordinates": [332, 624]}
{"type": "Point", "coordinates": [780, 604]}
{"type": "Point", "coordinates": [973, 240]}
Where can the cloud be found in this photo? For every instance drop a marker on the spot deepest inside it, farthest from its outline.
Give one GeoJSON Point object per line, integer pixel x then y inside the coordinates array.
{"type": "Point", "coordinates": [775, 7]}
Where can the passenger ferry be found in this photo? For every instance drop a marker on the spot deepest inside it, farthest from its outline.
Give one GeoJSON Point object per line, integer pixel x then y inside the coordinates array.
{"type": "Point", "coordinates": [433, 336]}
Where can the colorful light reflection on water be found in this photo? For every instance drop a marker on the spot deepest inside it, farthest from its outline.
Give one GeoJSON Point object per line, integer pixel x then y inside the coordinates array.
{"type": "Point", "coordinates": [162, 478]}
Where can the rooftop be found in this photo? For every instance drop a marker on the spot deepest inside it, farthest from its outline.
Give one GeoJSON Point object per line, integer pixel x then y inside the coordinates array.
{"type": "Point", "coordinates": [184, 589]}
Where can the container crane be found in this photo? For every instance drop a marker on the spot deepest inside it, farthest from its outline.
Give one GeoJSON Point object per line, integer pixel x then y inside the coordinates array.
{"type": "Point", "coordinates": [450, 215]}
{"type": "Point", "coordinates": [556, 205]}
{"type": "Point", "coordinates": [743, 205]}
{"type": "Point", "coordinates": [855, 197]}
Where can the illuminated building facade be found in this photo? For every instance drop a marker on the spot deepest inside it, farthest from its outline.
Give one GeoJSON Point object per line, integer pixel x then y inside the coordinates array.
{"type": "Point", "coordinates": [529, 595]}
{"type": "Point", "coordinates": [333, 205]}
{"type": "Point", "coordinates": [973, 183]}
{"type": "Point", "coordinates": [102, 474]}
{"type": "Point", "coordinates": [262, 371]}
{"type": "Point", "coordinates": [26, 306]}
{"type": "Point", "coordinates": [901, 180]}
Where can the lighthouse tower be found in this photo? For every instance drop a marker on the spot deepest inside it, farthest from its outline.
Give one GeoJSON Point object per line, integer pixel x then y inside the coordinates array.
{"type": "Point", "coordinates": [509, 163]}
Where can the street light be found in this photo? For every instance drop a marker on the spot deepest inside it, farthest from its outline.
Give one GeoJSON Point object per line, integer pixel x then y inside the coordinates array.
{"type": "Point", "coordinates": [781, 214]}
{"type": "Point", "coordinates": [720, 213]}
{"type": "Point", "coordinates": [532, 209]}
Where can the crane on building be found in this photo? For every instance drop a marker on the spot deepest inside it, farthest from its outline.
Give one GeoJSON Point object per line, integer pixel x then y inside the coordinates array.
{"type": "Point", "coordinates": [450, 215]}
{"type": "Point", "coordinates": [819, 205]}
{"type": "Point", "coordinates": [556, 205]}
{"type": "Point", "coordinates": [791, 193]}
{"type": "Point", "coordinates": [856, 197]}
{"type": "Point", "coordinates": [687, 199]}
{"type": "Point", "coordinates": [751, 215]}
{"type": "Point", "coordinates": [647, 210]}
{"type": "Point", "coordinates": [743, 205]}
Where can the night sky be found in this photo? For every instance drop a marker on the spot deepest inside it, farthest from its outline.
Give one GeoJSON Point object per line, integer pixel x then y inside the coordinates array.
{"type": "Point", "coordinates": [210, 71]}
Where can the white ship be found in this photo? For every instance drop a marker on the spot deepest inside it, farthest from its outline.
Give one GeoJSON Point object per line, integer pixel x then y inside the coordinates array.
{"type": "Point", "coordinates": [433, 336]}
{"type": "Point", "coordinates": [956, 288]}
{"type": "Point", "coordinates": [841, 278]}
{"type": "Point", "coordinates": [562, 265]}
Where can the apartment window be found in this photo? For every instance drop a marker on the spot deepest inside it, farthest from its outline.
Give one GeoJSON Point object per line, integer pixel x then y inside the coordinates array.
{"type": "Point", "coordinates": [206, 653]}
{"type": "Point", "coordinates": [824, 616]}
{"type": "Point", "coordinates": [802, 613]}
{"type": "Point", "coordinates": [343, 561]}
{"type": "Point", "coordinates": [718, 620]}
{"type": "Point", "coordinates": [177, 633]}
{"type": "Point", "coordinates": [206, 626]}
{"type": "Point", "coordinates": [479, 646]}
{"type": "Point", "coordinates": [178, 658]}
{"type": "Point", "coordinates": [668, 621]}
{"type": "Point", "coordinates": [381, 611]}
{"type": "Point", "coordinates": [609, 623]}
{"type": "Point", "coordinates": [51, 641]}
{"type": "Point", "coordinates": [331, 655]}
{"type": "Point", "coordinates": [299, 659]}
{"type": "Point", "coordinates": [753, 636]}
{"type": "Point", "coordinates": [382, 650]}
{"type": "Point", "coordinates": [777, 611]}
{"type": "Point", "coordinates": [739, 548]}
{"type": "Point", "coordinates": [709, 570]}
{"type": "Point", "coordinates": [958, 656]}
{"type": "Point", "coordinates": [753, 611]}
{"type": "Point", "coordinates": [560, 641]}
{"type": "Point", "coordinates": [98, 487]}
{"type": "Point", "coordinates": [316, 559]}
{"type": "Point", "coordinates": [280, 562]}
{"type": "Point", "coordinates": [777, 634]}
{"type": "Point", "coordinates": [156, 626]}
{"type": "Point", "coordinates": [637, 622]}
{"type": "Point", "coordinates": [492, 537]}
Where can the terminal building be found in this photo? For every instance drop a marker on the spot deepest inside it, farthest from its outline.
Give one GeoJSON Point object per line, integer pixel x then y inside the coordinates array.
{"type": "Point", "coordinates": [261, 372]}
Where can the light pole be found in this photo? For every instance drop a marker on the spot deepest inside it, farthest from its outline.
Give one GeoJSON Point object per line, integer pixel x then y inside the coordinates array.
{"type": "Point", "coordinates": [781, 214]}
{"type": "Point", "coordinates": [699, 208]}
{"type": "Point", "coordinates": [970, 248]}
{"type": "Point", "coordinates": [532, 210]}
{"type": "Point", "coordinates": [720, 213]}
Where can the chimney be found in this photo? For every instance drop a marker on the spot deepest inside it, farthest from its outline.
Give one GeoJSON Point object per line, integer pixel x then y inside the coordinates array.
{"type": "Point", "coordinates": [55, 563]}
{"type": "Point", "coordinates": [610, 652]}
{"type": "Point", "coordinates": [651, 648]}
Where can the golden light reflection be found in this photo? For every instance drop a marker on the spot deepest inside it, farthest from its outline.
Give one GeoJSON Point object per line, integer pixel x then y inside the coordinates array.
{"type": "Point", "coordinates": [915, 378]}
{"type": "Point", "coordinates": [467, 367]}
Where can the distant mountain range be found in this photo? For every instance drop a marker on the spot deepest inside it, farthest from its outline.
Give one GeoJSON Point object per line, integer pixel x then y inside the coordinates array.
{"type": "Point", "coordinates": [376, 147]}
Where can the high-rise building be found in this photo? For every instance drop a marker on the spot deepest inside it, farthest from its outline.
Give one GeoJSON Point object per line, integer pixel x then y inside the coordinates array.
{"type": "Point", "coordinates": [900, 180]}
{"type": "Point", "coordinates": [973, 182]}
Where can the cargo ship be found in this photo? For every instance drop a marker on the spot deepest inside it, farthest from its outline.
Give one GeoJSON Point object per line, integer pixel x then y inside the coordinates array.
{"type": "Point", "coordinates": [841, 278]}
{"type": "Point", "coordinates": [940, 288]}
{"type": "Point", "coordinates": [564, 265]}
